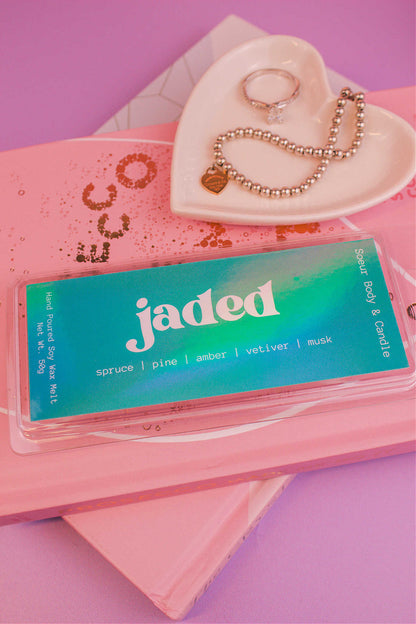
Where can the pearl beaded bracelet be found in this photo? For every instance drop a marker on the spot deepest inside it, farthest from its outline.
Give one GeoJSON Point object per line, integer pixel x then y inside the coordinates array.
{"type": "Point", "coordinates": [221, 171]}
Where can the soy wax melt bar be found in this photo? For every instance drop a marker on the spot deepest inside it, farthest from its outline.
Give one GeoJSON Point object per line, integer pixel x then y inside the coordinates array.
{"type": "Point", "coordinates": [203, 343]}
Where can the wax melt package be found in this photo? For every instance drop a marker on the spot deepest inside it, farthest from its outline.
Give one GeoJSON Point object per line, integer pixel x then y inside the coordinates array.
{"type": "Point", "coordinates": [165, 348]}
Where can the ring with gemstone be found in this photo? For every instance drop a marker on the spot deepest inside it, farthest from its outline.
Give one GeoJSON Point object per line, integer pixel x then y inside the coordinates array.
{"type": "Point", "coordinates": [273, 109]}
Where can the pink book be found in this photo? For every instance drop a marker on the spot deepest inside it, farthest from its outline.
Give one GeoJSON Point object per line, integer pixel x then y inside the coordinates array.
{"type": "Point", "coordinates": [68, 234]}
{"type": "Point", "coordinates": [183, 541]}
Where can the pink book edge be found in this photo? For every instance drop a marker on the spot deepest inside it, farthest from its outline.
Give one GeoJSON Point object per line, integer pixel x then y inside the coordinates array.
{"type": "Point", "coordinates": [185, 578]}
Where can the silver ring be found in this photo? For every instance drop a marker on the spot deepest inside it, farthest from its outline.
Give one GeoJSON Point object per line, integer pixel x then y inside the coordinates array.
{"type": "Point", "coordinates": [273, 109]}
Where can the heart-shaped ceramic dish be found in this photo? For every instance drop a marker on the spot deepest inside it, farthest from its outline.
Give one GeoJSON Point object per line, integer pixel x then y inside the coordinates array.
{"type": "Point", "coordinates": [384, 164]}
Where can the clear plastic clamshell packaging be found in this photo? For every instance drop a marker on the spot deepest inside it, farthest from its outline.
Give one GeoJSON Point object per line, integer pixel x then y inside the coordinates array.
{"type": "Point", "coordinates": [166, 348]}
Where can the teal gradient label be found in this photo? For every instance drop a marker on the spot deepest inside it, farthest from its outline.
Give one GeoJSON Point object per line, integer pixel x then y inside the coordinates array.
{"type": "Point", "coordinates": [202, 329]}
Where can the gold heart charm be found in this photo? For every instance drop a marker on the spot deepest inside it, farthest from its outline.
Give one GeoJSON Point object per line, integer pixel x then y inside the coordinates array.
{"type": "Point", "coordinates": [214, 180]}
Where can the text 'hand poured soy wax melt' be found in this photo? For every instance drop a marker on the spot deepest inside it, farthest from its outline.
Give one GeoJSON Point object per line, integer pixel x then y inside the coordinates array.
{"type": "Point", "coordinates": [204, 343]}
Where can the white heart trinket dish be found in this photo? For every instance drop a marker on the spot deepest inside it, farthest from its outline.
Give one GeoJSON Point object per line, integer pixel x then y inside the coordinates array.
{"type": "Point", "coordinates": [382, 165]}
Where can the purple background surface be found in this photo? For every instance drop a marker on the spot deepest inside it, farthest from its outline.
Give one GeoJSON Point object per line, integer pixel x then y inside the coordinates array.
{"type": "Point", "coordinates": [339, 545]}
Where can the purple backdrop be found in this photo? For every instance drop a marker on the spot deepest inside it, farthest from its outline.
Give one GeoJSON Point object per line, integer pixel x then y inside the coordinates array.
{"type": "Point", "coordinates": [339, 545]}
